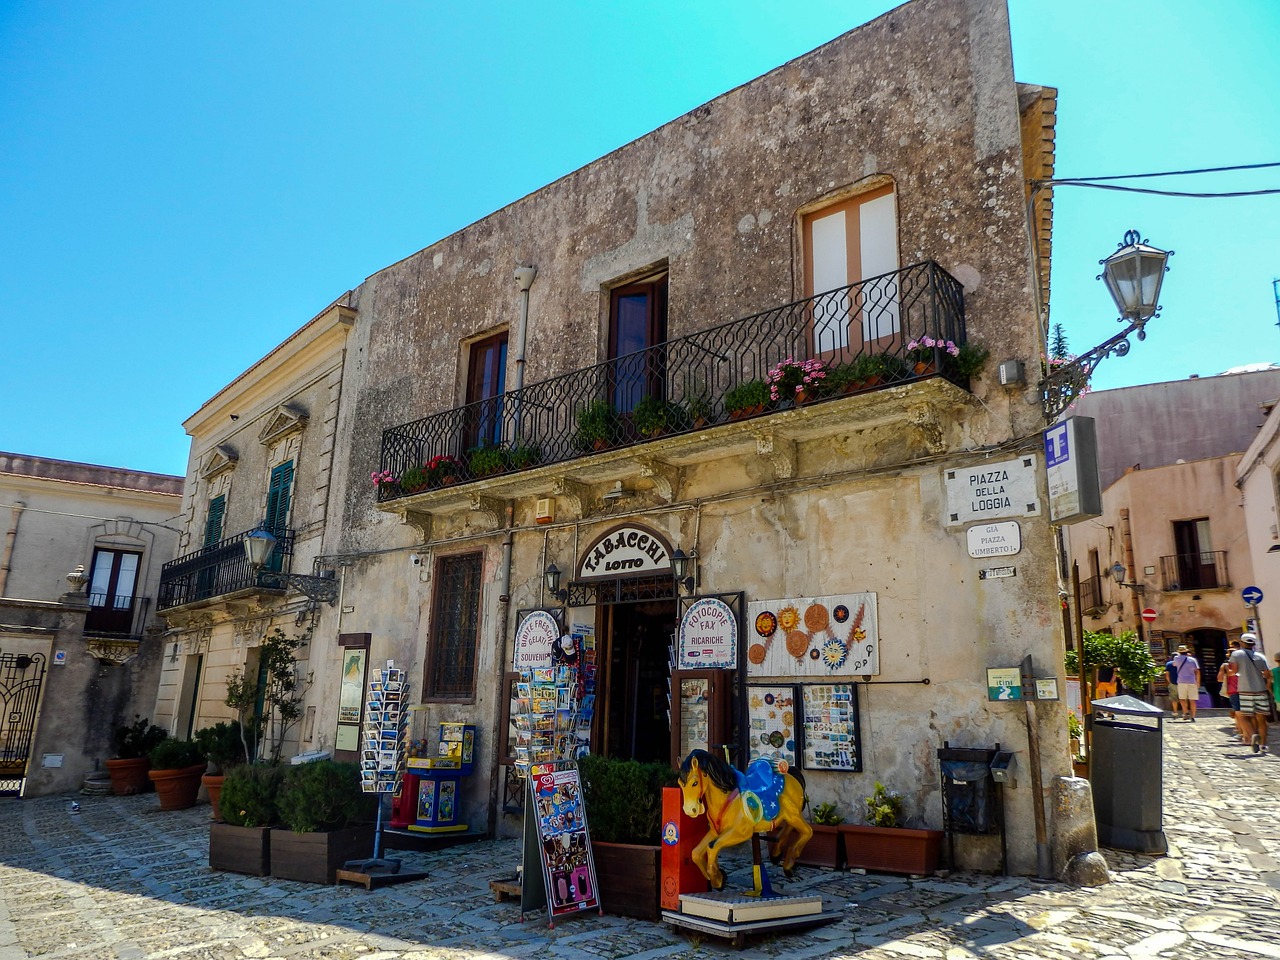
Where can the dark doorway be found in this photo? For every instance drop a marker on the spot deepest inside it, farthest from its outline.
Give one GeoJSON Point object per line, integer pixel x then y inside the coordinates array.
{"type": "Point", "coordinates": [1209, 647]}
{"type": "Point", "coordinates": [634, 682]}
{"type": "Point", "coordinates": [486, 382]}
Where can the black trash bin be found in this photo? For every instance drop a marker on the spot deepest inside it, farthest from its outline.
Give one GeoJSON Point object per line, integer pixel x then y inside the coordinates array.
{"type": "Point", "coordinates": [1128, 775]}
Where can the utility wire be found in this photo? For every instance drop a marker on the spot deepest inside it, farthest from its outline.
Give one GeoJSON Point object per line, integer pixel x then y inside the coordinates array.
{"type": "Point", "coordinates": [1169, 173]}
{"type": "Point", "coordinates": [1158, 193]}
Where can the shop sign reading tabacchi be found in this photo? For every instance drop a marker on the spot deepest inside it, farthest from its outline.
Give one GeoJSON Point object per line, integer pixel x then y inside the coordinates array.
{"type": "Point", "coordinates": [625, 551]}
{"type": "Point", "coordinates": [988, 491]}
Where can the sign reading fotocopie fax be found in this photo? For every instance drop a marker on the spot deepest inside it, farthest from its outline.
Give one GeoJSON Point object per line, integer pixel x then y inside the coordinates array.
{"type": "Point", "coordinates": [989, 491]}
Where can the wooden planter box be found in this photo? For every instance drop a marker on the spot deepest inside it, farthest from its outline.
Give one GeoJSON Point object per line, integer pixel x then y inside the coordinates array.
{"type": "Point", "coordinates": [824, 848]}
{"type": "Point", "coordinates": [891, 849]}
{"type": "Point", "coordinates": [314, 857]}
{"type": "Point", "coordinates": [240, 849]}
{"type": "Point", "coordinates": [628, 879]}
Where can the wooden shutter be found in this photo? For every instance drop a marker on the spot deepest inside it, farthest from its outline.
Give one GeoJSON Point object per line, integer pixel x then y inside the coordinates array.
{"type": "Point", "coordinates": [277, 518]}
{"type": "Point", "coordinates": [213, 525]}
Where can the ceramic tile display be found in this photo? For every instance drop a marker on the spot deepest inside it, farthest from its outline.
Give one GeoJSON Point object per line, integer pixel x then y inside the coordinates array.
{"type": "Point", "coordinates": [385, 725]}
{"type": "Point", "coordinates": [813, 637]}
{"type": "Point", "coordinates": [831, 731]}
{"type": "Point", "coordinates": [772, 723]}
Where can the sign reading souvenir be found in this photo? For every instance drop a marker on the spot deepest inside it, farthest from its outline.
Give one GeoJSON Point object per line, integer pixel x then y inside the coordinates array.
{"type": "Point", "coordinates": [1004, 683]}
{"type": "Point", "coordinates": [559, 813]}
{"type": "Point", "coordinates": [995, 539]}
{"type": "Point", "coordinates": [819, 637]}
{"type": "Point", "coordinates": [831, 740]}
{"type": "Point", "coordinates": [991, 491]}
{"type": "Point", "coordinates": [535, 638]}
{"type": "Point", "coordinates": [708, 636]}
{"type": "Point", "coordinates": [625, 552]}
{"type": "Point", "coordinates": [771, 723]}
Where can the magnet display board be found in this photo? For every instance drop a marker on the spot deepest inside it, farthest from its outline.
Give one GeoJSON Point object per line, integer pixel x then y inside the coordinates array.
{"type": "Point", "coordinates": [832, 735]}
{"type": "Point", "coordinates": [813, 638]}
{"type": "Point", "coordinates": [556, 836]}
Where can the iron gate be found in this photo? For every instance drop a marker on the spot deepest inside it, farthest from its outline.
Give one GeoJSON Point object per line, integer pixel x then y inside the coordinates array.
{"type": "Point", "coordinates": [21, 675]}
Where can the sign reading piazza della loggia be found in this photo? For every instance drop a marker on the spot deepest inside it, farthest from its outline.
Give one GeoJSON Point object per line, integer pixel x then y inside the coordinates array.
{"type": "Point", "coordinates": [992, 491]}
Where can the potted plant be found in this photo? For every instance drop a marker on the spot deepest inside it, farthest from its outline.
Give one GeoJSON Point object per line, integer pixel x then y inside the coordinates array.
{"type": "Point", "coordinates": [845, 377]}
{"type": "Point", "coordinates": [414, 479]}
{"type": "Point", "coordinates": [882, 845]}
{"type": "Point", "coordinates": [922, 354]}
{"type": "Point", "coordinates": [885, 368]}
{"type": "Point", "coordinates": [623, 800]}
{"type": "Point", "coordinates": [653, 417]}
{"type": "Point", "coordinates": [746, 399]}
{"type": "Point", "coordinates": [442, 470]}
{"type": "Point", "coordinates": [325, 821]}
{"type": "Point", "coordinates": [597, 426]}
{"type": "Point", "coordinates": [223, 746]}
{"type": "Point", "coordinates": [486, 460]}
{"type": "Point", "coordinates": [968, 361]}
{"type": "Point", "coordinates": [698, 407]}
{"type": "Point", "coordinates": [128, 769]}
{"type": "Point", "coordinates": [176, 769]}
{"type": "Point", "coordinates": [824, 848]}
{"type": "Point", "coordinates": [242, 843]}
{"type": "Point", "coordinates": [796, 380]}
{"type": "Point", "coordinates": [383, 478]}
{"type": "Point", "coordinates": [522, 456]}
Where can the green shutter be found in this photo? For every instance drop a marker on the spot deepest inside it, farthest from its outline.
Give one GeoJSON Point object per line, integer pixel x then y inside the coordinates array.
{"type": "Point", "coordinates": [277, 518]}
{"type": "Point", "coordinates": [213, 525]}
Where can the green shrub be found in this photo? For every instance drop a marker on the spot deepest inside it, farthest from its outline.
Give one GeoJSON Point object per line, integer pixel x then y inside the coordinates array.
{"type": "Point", "coordinates": [597, 422]}
{"type": "Point", "coordinates": [745, 396]}
{"type": "Point", "coordinates": [174, 754]}
{"type": "Point", "coordinates": [884, 809]}
{"type": "Point", "coordinates": [521, 456]}
{"type": "Point", "coordinates": [623, 798]}
{"type": "Point", "coordinates": [485, 460]}
{"type": "Point", "coordinates": [249, 795]}
{"type": "Point", "coordinates": [222, 744]}
{"type": "Point", "coordinates": [826, 815]}
{"type": "Point", "coordinates": [653, 417]}
{"type": "Point", "coordinates": [137, 739]}
{"type": "Point", "coordinates": [323, 795]}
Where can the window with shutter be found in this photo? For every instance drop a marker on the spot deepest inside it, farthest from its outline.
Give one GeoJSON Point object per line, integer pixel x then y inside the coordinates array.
{"type": "Point", "coordinates": [213, 523]}
{"type": "Point", "coordinates": [277, 518]}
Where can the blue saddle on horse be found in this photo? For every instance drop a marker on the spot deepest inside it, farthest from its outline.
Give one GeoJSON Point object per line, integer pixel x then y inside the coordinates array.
{"type": "Point", "coordinates": [761, 789]}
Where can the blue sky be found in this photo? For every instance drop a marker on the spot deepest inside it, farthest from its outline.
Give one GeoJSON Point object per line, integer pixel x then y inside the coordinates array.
{"type": "Point", "coordinates": [182, 186]}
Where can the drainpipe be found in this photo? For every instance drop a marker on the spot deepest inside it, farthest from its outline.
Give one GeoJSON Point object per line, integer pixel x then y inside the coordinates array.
{"type": "Point", "coordinates": [524, 278]}
{"type": "Point", "coordinates": [6, 561]}
{"type": "Point", "coordinates": [500, 647]}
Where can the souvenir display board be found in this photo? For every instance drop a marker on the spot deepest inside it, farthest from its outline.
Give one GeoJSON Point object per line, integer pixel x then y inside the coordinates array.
{"type": "Point", "coordinates": [772, 723]}
{"type": "Point", "coordinates": [813, 638]}
{"type": "Point", "coordinates": [386, 720]}
{"type": "Point", "coordinates": [436, 769]}
{"type": "Point", "coordinates": [553, 706]}
{"type": "Point", "coordinates": [832, 739]}
{"type": "Point", "coordinates": [556, 834]}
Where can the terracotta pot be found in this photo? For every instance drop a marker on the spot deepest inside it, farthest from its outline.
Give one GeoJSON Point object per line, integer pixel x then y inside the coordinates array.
{"type": "Point", "coordinates": [213, 786]}
{"type": "Point", "coordinates": [178, 789]}
{"type": "Point", "coordinates": [923, 369]}
{"type": "Point", "coordinates": [891, 849]}
{"type": "Point", "coordinates": [600, 444]}
{"type": "Point", "coordinates": [129, 776]}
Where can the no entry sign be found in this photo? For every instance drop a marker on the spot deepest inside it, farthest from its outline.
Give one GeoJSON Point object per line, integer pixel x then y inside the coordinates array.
{"type": "Point", "coordinates": [1149, 614]}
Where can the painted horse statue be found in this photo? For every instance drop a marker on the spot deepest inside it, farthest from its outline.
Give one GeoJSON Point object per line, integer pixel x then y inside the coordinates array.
{"type": "Point", "coordinates": [739, 805]}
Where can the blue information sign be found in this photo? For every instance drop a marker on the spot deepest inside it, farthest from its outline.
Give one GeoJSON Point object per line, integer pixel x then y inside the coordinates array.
{"type": "Point", "coordinates": [1252, 596]}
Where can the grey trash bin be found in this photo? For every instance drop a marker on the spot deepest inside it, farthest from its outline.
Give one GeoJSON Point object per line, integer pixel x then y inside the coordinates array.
{"type": "Point", "coordinates": [1128, 775]}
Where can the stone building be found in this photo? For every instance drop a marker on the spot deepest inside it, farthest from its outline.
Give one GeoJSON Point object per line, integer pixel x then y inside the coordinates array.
{"type": "Point", "coordinates": [580, 380]}
{"type": "Point", "coordinates": [79, 638]}
{"type": "Point", "coordinates": [1169, 455]}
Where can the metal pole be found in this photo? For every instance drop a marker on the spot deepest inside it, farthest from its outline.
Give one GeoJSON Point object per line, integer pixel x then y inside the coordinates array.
{"type": "Point", "coordinates": [1085, 714]}
{"type": "Point", "coordinates": [1257, 626]}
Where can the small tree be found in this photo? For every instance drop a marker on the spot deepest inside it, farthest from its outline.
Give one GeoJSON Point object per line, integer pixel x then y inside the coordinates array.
{"type": "Point", "coordinates": [1129, 655]}
{"type": "Point", "coordinates": [277, 687]}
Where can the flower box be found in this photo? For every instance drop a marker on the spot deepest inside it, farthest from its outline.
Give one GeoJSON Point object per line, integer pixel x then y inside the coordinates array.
{"type": "Point", "coordinates": [823, 848]}
{"type": "Point", "coordinates": [891, 849]}
{"type": "Point", "coordinates": [240, 849]}
{"type": "Point", "coordinates": [315, 857]}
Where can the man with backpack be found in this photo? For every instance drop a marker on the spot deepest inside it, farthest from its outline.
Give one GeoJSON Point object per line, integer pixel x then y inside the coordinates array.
{"type": "Point", "coordinates": [1188, 677]}
{"type": "Point", "coordinates": [1250, 667]}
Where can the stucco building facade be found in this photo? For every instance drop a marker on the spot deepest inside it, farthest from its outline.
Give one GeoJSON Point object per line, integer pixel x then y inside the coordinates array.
{"type": "Point", "coordinates": [831, 212]}
{"type": "Point", "coordinates": [79, 637]}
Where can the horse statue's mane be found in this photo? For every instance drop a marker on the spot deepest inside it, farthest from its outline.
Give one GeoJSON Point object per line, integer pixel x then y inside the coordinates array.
{"type": "Point", "coordinates": [717, 768]}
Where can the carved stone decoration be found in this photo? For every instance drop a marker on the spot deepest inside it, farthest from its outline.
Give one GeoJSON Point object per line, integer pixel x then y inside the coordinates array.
{"type": "Point", "coordinates": [664, 476]}
{"type": "Point", "coordinates": [420, 520]}
{"type": "Point", "coordinates": [285, 420]}
{"type": "Point", "coordinates": [221, 459]}
{"type": "Point", "coordinates": [490, 511]}
{"type": "Point", "coordinates": [577, 494]}
{"type": "Point", "coordinates": [780, 452]}
{"type": "Point", "coordinates": [924, 420]}
{"type": "Point", "coordinates": [115, 652]}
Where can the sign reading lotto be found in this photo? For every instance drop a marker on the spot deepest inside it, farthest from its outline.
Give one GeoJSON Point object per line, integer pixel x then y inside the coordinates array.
{"type": "Point", "coordinates": [708, 636]}
{"type": "Point", "coordinates": [989, 491]}
{"type": "Point", "coordinates": [534, 639]}
{"type": "Point", "coordinates": [625, 551]}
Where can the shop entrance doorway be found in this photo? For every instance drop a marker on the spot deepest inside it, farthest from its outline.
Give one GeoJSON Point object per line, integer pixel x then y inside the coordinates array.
{"type": "Point", "coordinates": [1209, 647]}
{"type": "Point", "coordinates": [634, 679]}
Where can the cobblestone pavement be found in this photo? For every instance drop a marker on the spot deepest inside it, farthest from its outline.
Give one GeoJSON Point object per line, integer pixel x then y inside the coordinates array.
{"type": "Point", "coordinates": [119, 879]}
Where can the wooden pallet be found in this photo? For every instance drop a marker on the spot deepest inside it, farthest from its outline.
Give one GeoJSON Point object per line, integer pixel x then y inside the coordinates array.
{"type": "Point", "coordinates": [509, 889]}
{"type": "Point", "coordinates": [372, 881]}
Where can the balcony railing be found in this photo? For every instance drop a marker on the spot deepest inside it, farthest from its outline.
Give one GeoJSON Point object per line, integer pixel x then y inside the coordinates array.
{"type": "Point", "coordinates": [1194, 571]}
{"type": "Point", "coordinates": [859, 335]}
{"type": "Point", "coordinates": [1091, 602]}
{"type": "Point", "coordinates": [116, 616]}
{"type": "Point", "coordinates": [217, 570]}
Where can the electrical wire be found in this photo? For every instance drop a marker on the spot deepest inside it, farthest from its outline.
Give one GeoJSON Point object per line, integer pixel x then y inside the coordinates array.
{"type": "Point", "coordinates": [1159, 193]}
{"type": "Point", "coordinates": [1168, 173]}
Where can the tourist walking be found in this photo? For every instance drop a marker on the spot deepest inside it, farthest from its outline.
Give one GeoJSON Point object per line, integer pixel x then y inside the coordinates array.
{"type": "Point", "coordinates": [1230, 688]}
{"type": "Point", "coordinates": [1255, 693]}
{"type": "Point", "coordinates": [1188, 691]}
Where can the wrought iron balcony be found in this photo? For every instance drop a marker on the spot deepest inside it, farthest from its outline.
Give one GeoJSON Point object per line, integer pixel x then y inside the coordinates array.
{"type": "Point", "coordinates": [219, 569]}
{"type": "Point", "coordinates": [1205, 570]}
{"type": "Point", "coordinates": [857, 336]}
{"type": "Point", "coordinates": [1091, 602]}
{"type": "Point", "coordinates": [109, 616]}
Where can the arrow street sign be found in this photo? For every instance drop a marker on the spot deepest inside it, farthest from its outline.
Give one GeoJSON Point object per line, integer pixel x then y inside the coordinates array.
{"type": "Point", "coordinates": [1252, 596]}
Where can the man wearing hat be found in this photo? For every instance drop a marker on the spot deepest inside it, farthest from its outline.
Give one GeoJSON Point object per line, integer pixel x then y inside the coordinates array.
{"type": "Point", "coordinates": [1250, 668]}
{"type": "Point", "coordinates": [1188, 687]}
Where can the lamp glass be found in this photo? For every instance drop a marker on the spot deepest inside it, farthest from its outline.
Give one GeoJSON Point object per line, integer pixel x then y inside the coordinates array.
{"type": "Point", "coordinates": [680, 564]}
{"type": "Point", "coordinates": [1117, 571]}
{"type": "Point", "coordinates": [1133, 275]}
{"type": "Point", "coordinates": [552, 576]}
{"type": "Point", "coordinates": [258, 547]}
